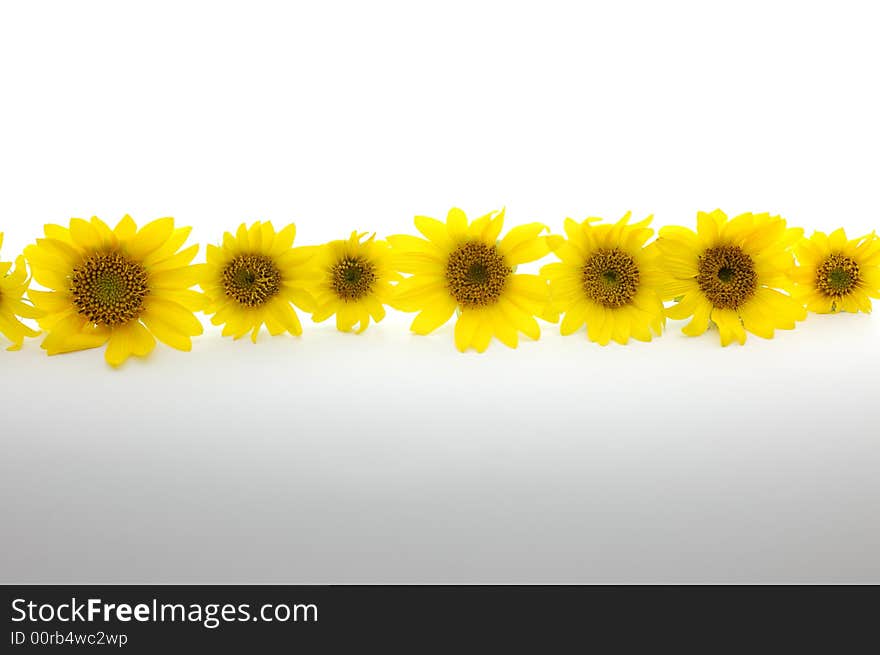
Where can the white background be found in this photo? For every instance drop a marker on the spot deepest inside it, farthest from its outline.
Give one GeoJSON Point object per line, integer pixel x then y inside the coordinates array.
{"type": "Point", "coordinates": [389, 457]}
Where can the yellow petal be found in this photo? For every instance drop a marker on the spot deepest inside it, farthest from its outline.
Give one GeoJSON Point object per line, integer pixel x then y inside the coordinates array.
{"type": "Point", "coordinates": [405, 243]}
{"type": "Point", "coordinates": [283, 240]}
{"type": "Point", "coordinates": [168, 250]}
{"type": "Point", "coordinates": [346, 317]}
{"type": "Point", "coordinates": [529, 291]}
{"type": "Point", "coordinates": [493, 228]}
{"type": "Point", "coordinates": [125, 341]}
{"type": "Point", "coordinates": [574, 319]}
{"type": "Point", "coordinates": [837, 240]}
{"type": "Point", "coordinates": [434, 230]}
{"type": "Point", "coordinates": [601, 328]}
{"type": "Point", "coordinates": [150, 237]}
{"type": "Point", "coordinates": [376, 309]}
{"type": "Point", "coordinates": [456, 224]}
{"type": "Point", "coordinates": [84, 234]}
{"type": "Point", "coordinates": [709, 227]}
{"type": "Point", "coordinates": [730, 327]}
{"type": "Point", "coordinates": [415, 292]}
{"type": "Point", "coordinates": [700, 322]}
{"type": "Point", "coordinates": [167, 334]}
{"type": "Point", "coordinates": [180, 260]}
{"type": "Point", "coordinates": [521, 244]}
{"type": "Point", "coordinates": [685, 307]}
{"type": "Point", "coordinates": [175, 315]}
{"type": "Point", "coordinates": [520, 317]}
{"type": "Point", "coordinates": [465, 329]}
{"type": "Point", "coordinates": [502, 327]}
{"type": "Point", "coordinates": [73, 333]}
{"type": "Point", "coordinates": [484, 332]}
{"type": "Point", "coordinates": [55, 254]}
{"type": "Point", "coordinates": [621, 330]}
{"type": "Point", "coordinates": [125, 229]}
{"type": "Point", "coordinates": [433, 316]}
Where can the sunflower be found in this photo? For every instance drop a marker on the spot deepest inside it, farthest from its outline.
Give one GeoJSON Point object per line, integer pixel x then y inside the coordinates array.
{"type": "Point", "coordinates": [356, 282]}
{"type": "Point", "coordinates": [465, 267]}
{"type": "Point", "coordinates": [255, 277]}
{"type": "Point", "coordinates": [835, 274]}
{"type": "Point", "coordinates": [13, 284]}
{"type": "Point", "coordinates": [608, 280]}
{"type": "Point", "coordinates": [730, 272]}
{"type": "Point", "coordinates": [124, 287]}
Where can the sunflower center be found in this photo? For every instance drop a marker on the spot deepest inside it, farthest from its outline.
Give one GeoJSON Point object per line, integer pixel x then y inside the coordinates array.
{"type": "Point", "coordinates": [610, 277]}
{"type": "Point", "coordinates": [251, 280]}
{"type": "Point", "coordinates": [476, 274]}
{"type": "Point", "coordinates": [109, 289]}
{"type": "Point", "coordinates": [726, 276]}
{"type": "Point", "coordinates": [837, 275]}
{"type": "Point", "coordinates": [352, 278]}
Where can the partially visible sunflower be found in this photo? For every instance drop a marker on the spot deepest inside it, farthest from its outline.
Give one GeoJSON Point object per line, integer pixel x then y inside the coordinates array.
{"type": "Point", "coordinates": [255, 278]}
{"type": "Point", "coordinates": [835, 274]}
{"type": "Point", "coordinates": [124, 287]}
{"type": "Point", "coordinates": [730, 272]}
{"type": "Point", "coordinates": [608, 280]}
{"type": "Point", "coordinates": [13, 284]}
{"type": "Point", "coordinates": [464, 267]}
{"type": "Point", "coordinates": [356, 281]}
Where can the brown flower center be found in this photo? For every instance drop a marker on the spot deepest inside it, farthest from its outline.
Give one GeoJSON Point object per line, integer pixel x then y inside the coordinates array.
{"type": "Point", "coordinates": [610, 277]}
{"type": "Point", "coordinates": [251, 280]}
{"type": "Point", "coordinates": [109, 289]}
{"type": "Point", "coordinates": [726, 276]}
{"type": "Point", "coordinates": [352, 278]}
{"type": "Point", "coordinates": [476, 274]}
{"type": "Point", "coordinates": [837, 276]}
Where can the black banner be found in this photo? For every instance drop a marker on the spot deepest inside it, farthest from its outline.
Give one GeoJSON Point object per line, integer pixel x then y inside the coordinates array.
{"type": "Point", "coordinates": [414, 619]}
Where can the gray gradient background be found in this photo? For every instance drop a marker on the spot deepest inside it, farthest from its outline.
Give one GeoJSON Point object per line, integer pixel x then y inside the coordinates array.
{"type": "Point", "coordinates": [387, 457]}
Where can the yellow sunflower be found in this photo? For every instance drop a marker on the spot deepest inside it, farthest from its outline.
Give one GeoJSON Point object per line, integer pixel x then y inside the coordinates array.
{"type": "Point", "coordinates": [608, 280]}
{"type": "Point", "coordinates": [13, 284]}
{"type": "Point", "coordinates": [730, 272]}
{"type": "Point", "coordinates": [255, 278]}
{"type": "Point", "coordinates": [465, 267]}
{"type": "Point", "coordinates": [356, 282]}
{"type": "Point", "coordinates": [124, 287]}
{"type": "Point", "coordinates": [835, 274]}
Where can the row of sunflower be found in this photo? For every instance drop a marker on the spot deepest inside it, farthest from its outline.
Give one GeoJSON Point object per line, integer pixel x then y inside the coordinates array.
{"type": "Point", "coordinates": [127, 287]}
